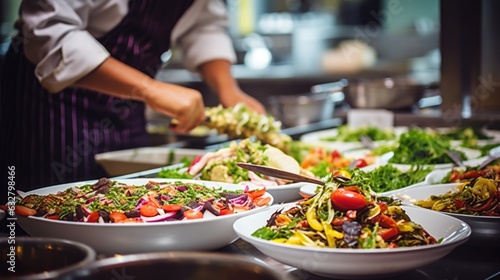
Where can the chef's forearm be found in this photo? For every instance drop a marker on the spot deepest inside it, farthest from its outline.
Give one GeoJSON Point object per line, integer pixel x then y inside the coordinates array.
{"type": "Point", "coordinates": [217, 75]}
{"type": "Point", "coordinates": [118, 79]}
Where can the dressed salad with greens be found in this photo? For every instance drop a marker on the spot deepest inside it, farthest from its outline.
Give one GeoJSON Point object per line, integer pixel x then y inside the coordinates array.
{"type": "Point", "coordinates": [342, 216]}
{"type": "Point", "coordinates": [108, 201]}
{"type": "Point", "coordinates": [479, 197]}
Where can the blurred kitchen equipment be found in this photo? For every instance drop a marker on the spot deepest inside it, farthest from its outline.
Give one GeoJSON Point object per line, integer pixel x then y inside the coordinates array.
{"type": "Point", "coordinates": [384, 93]}
{"type": "Point", "coordinates": [177, 265]}
{"type": "Point", "coordinates": [42, 258]}
{"type": "Point", "coordinates": [122, 162]}
{"type": "Point", "coordinates": [302, 109]}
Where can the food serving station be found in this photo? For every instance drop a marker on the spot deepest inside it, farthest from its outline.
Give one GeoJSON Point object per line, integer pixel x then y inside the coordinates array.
{"type": "Point", "coordinates": [312, 113]}
{"type": "Point", "coordinates": [463, 254]}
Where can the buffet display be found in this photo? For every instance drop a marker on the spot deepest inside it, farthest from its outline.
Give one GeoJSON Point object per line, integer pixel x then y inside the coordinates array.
{"type": "Point", "coordinates": [395, 203]}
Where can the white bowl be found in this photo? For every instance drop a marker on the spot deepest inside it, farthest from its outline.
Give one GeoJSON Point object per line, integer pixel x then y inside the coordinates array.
{"type": "Point", "coordinates": [485, 229]}
{"type": "Point", "coordinates": [127, 238]}
{"type": "Point", "coordinates": [360, 263]}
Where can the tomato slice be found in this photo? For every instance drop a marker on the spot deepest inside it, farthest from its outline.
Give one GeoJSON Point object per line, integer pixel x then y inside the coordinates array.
{"type": "Point", "coordinates": [226, 212]}
{"type": "Point", "coordinates": [117, 217]}
{"type": "Point", "coordinates": [53, 217]}
{"type": "Point", "coordinates": [387, 233]}
{"type": "Point", "coordinates": [93, 217]}
{"type": "Point", "coordinates": [344, 200]}
{"type": "Point", "coordinates": [148, 210]}
{"type": "Point", "coordinates": [24, 211]}
{"type": "Point", "coordinates": [193, 214]}
{"type": "Point", "coordinates": [171, 207]}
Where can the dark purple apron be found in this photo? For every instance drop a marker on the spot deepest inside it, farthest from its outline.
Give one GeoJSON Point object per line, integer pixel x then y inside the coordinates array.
{"type": "Point", "coordinates": [53, 138]}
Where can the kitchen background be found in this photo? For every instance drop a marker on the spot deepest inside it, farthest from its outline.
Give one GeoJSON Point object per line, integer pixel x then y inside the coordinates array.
{"type": "Point", "coordinates": [285, 47]}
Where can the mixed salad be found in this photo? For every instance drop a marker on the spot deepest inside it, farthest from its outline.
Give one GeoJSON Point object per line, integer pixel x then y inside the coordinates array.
{"type": "Point", "coordinates": [472, 172]}
{"type": "Point", "coordinates": [479, 197]}
{"type": "Point", "coordinates": [342, 216]}
{"type": "Point", "coordinates": [109, 201]}
{"type": "Point", "coordinates": [221, 165]}
{"type": "Point", "coordinates": [321, 161]}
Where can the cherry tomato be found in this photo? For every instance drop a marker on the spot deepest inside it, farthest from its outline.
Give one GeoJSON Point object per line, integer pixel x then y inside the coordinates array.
{"type": "Point", "coordinates": [361, 163]}
{"type": "Point", "coordinates": [344, 200]}
{"type": "Point", "coordinates": [93, 217]}
{"type": "Point", "coordinates": [117, 217]}
{"type": "Point", "coordinates": [148, 210]}
{"type": "Point", "coordinates": [335, 154]}
{"type": "Point", "coordinates": [24, 211]}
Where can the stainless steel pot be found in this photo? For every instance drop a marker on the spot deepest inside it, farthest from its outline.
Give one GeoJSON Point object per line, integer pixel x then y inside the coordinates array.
{"type": "Point", "coordinates": [302, 109]}
{"type": "Point", "coordinates": [384, 93]}
{"type": "Point", "coordinates": [35, 258]}
{"type": "Point", "coordinates": [177, 265]}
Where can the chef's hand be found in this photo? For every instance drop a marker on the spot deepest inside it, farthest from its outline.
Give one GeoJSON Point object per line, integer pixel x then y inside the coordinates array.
{"type": "Point", "coordinates": [230, 99]}
{"type": "Point", "coordinates": [183, 104]}
{"type": "Point", "coordinates": [118, 79]}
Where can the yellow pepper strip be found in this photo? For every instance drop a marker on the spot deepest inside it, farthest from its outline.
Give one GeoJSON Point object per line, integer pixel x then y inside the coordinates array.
{"type": "Point", "coordinates": [331, 234]}
{"type": "Point", "coordinates": [279, 240]}
{"type": "Point", "coordinates": [299, 238]}
{"type": "Point", "coordinates": [312, 220]}
{"type": "Point", "coordinates": [484, 188]}
{"type": "Point", "coordinates": [403, 226]}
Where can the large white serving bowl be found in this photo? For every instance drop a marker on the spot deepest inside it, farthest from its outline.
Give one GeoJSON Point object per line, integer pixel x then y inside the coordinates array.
{"type": "Point", "coordinates": [360, 263]}
{"type": "Point", "coordinates": [485, 229]}
{"type": "Point", "coordinates": [211, 232]}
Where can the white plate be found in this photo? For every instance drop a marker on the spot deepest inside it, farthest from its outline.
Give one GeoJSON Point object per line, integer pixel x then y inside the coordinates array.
{"type": "Point", "coordinates": [360, 263]}
{"type": "Point", "coordinates": [127, 238]}
{"type": "Point", "coordinates": [485, 230]}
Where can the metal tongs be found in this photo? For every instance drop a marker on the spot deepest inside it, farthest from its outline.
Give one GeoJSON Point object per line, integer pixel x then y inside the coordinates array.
{"type": "Point", "coordinates": [283, 174]}
{"type": "Point", "coordinates": [493, 155]}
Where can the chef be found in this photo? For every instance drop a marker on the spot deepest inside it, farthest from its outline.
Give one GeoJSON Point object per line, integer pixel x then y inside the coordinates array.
{"type": "Point", "coordinates": [78, 75]}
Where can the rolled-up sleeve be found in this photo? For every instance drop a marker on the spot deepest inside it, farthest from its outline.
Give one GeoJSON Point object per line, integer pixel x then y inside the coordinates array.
{"type": "Point", "coordinates": [56, 40]}
{"type": "Point", "coordinates": [202, 35]}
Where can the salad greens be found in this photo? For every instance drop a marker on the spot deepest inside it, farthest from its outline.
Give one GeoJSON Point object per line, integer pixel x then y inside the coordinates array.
{"type": "Point", "coordinates": [418, 147]}
{"type": "Point", "coordinates": [387, 177]}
